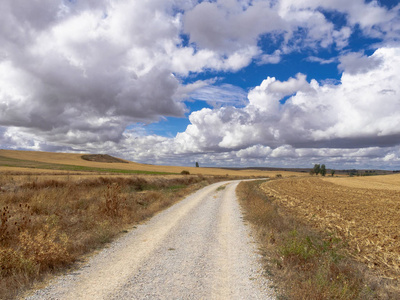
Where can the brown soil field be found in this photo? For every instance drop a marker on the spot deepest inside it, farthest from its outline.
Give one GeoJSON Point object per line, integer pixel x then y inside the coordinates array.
{"type": "Point", "coordinates": [364, 212]}
{"type": "Point", "coordinates": [102, 158]}
{"type": "Point", "coordinates": [76, 160]}
{"type": "Point", "coordinates": [384, 182]}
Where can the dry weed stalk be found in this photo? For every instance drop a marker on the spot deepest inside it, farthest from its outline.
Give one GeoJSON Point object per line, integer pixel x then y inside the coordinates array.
{"type": "Point", "coordinates": [4, 219]}
{"type": "Point", "coordinates": [114, 202]}
{"type": "Point", "coordinates": [47, 248]}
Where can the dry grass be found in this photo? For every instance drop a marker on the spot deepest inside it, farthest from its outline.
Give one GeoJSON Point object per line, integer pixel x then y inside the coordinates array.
{"type": "Point", "coordinates": [30, 171]}
{"type": "Point", "coordinates": [45, 225]}
{"type": "Point", "coordinates": [76, 160]}
{"type": "Point", "coordinates": [16, 178]}
{"type": "Point", "coordinates": [303, 262]}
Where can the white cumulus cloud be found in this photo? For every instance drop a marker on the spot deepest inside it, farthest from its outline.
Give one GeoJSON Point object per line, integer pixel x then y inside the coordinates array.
{"type": "Point", "coordinates": [74, 75]}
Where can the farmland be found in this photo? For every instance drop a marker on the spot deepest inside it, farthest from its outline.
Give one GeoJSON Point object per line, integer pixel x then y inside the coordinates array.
{"type": "Point", "coordinates": [363, 212]}
{"type": "Point", "coordinates": [48, 162]}
{"type": "Point", "coordinates": [57, 207]}
{"type": "Point", "coordinates": [391, 183]}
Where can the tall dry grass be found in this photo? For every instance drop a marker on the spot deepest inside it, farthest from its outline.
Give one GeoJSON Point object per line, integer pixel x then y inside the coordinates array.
{"type": "Point", "coordinates": [47, 225]}
{"type": "Point", "coordinates": [303, 263]}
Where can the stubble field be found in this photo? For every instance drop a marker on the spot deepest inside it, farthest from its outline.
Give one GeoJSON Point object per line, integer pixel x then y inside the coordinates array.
{"type": "Point", "coordinates": [363, 212]}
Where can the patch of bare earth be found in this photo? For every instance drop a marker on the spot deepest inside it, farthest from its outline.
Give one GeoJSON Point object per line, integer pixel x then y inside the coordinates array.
{"type": "Point", "coordinates": [105, 158]}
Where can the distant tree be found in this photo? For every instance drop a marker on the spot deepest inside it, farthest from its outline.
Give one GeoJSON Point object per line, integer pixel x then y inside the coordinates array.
{"type": "Point", "coordinates": [317, 169]}
{"type": "Point", "coordinates": [197, 164]}
{"type": "Point", "coordinates": [323, 170]}
{"type": "Point", "coordinates": [332, 172]}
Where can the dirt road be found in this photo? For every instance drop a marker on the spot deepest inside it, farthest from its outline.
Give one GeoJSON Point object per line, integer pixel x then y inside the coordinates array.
{"type": "Point", "coordinates": [196, 249]}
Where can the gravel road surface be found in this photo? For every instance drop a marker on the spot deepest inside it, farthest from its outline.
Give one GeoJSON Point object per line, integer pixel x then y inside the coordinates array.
{"type": "Point", "coordinates": [197, 249]}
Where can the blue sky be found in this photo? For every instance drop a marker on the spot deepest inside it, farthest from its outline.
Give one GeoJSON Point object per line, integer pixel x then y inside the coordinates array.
{"type": "Point", "coordinates": [271, 83]}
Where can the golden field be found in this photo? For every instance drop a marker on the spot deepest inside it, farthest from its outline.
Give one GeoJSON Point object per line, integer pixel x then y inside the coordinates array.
{"type": "Point", "coordinates": [364, 212]}
{"type": "Point", "coordinates": [74, 159]}
{"type": "Point", "coordinates": [391, 182]}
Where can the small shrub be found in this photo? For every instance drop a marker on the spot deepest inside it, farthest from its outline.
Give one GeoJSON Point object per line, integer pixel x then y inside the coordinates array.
{"type": "Point", "coordinates": [104, 232]}
{"type": "Point", "coordinates": [13, 221]}
{"type": "Point", "coordinates": [113, 201]}
{"type": "Point", "coordinates": [221, 188]}
{"type": "Point", "coordinates": [12, 262]}
{"type": "Point", "coordinates": [184, 172]}
{"type": "Point", "coordinates": [300, 248]}
{"type": "Point", "coordinates": [47, 248]}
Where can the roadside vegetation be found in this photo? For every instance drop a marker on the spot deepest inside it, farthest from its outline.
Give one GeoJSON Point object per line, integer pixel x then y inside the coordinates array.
{"type": "Point", "coordinates": [47, 225]}
{"type": "Point", "coordinates": [305, 263]}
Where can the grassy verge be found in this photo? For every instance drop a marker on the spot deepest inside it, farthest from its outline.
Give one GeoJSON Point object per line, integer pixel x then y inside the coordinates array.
{"type": "Point", "coordinates": [303, 263]}
{"type": "Point", "coordinates": [13, 162]}
{"type": "Point", "coordinates": [46, 226]}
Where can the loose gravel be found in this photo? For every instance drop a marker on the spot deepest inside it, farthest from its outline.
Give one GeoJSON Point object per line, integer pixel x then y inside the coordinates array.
{"type": "Point", "coordinates": [197, 249]}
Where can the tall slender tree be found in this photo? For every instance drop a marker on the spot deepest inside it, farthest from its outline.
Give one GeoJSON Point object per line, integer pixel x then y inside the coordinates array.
{"type": "Point", "coordinates": [317, 169]}
{"type": "Point", "coordinates": [323, 170]}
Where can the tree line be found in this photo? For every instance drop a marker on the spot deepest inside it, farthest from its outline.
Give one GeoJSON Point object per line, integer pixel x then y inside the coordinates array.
{"type": "Point", "coordinates": [320, 169]}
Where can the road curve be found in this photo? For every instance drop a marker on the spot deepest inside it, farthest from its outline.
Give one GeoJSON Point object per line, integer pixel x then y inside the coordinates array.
{"type": "Point", "coordinates": [197, 249]}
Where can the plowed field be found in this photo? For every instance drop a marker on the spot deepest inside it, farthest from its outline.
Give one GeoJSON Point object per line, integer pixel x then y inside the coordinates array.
{"type": "Point", "coordinates": [367, 218]}
{"type": "Point", "coordinates": [386, 182]}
